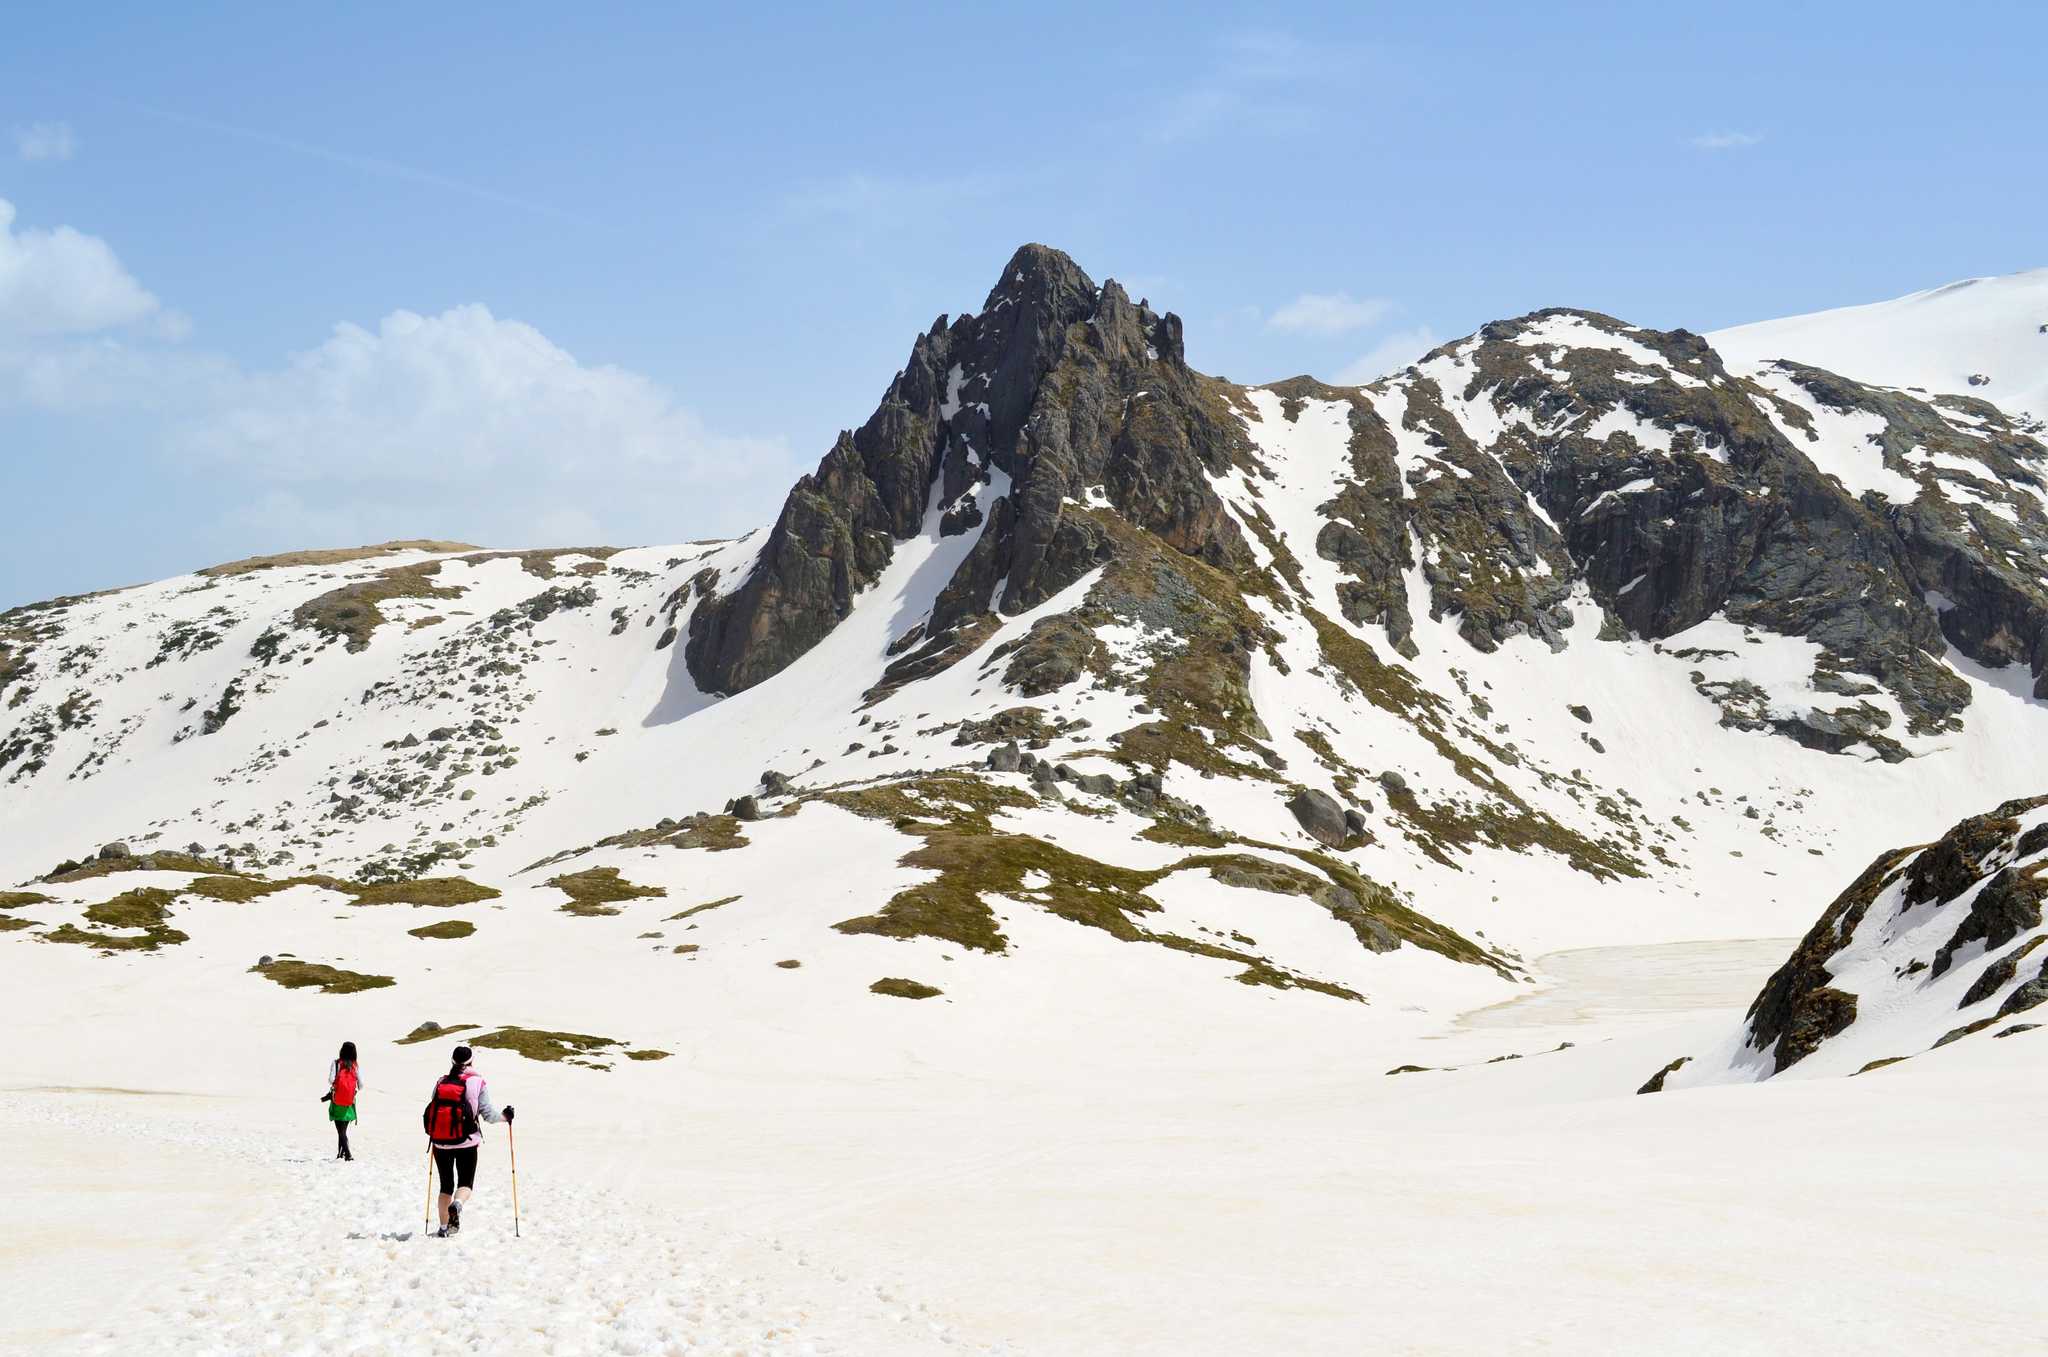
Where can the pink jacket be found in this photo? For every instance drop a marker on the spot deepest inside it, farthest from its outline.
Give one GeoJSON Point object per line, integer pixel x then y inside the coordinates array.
{"type": "Point", "coordinates": [479, 1094]}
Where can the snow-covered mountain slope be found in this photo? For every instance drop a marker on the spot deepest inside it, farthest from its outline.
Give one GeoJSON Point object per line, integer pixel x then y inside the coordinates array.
{"type": "Point", "coordinates": [1929, 945]}
{"type": "Point", "coordinates": [1982, 337]}
{"type": "Point", "coordinates": [1567, 634]}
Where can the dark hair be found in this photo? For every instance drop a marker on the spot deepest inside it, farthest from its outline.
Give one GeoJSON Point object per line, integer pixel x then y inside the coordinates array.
{"type": "Point", "coordinates": [348, 1053]}
{"type": "Point", "coordinates": [458, 1062]}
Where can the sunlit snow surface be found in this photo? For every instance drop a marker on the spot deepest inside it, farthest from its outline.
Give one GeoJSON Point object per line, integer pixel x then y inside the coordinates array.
{"type": "Point", "coordinates": [1935, 341]}
{"type": "Point", "coordinates": [1083, 1145]}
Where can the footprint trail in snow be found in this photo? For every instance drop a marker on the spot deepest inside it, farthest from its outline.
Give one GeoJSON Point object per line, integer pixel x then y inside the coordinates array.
{"type": "Point", "coordinates": [336, 1261]}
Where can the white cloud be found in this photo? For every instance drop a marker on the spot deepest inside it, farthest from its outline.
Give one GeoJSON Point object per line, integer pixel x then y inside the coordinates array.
{"type": "Point", "coordinates": [62, 281]}
{"type": "Point", "coordinates": [460, 424]}
{"type": "Point", "coordinates": [1391, 354]}
{"type": "Point", "coordinates": [445, 398]}
{"type": "Point", "coordinates": [44, 141]}
{"type": "Point", "coordinates": [1725, 141]}
{"type": "Point", "coordinates": [1327, 313]}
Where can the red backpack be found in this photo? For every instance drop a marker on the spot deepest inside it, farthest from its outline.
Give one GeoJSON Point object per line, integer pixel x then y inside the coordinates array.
{"type": "Point", "coordinates": [345, 1085]}
{"type": "Point", "coordinates": [449, 1118]}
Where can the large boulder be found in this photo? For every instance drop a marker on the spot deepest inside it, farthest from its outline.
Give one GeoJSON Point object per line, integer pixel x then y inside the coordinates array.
{"type": "Point", "coordinates": [1321, 816]}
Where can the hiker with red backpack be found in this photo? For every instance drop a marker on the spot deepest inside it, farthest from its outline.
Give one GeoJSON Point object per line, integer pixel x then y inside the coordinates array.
{"type": "Point", "coordinates": [454, 1121]}
{"type": "Point", "coordinates": [344, 1081]}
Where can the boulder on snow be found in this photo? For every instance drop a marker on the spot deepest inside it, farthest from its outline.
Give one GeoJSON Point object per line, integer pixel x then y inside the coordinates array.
{"type": "Point", "coordinates": [1005, 758]}
{"type": "Point", "coordinates": [1321, 816]}
{"type": "Point", "coordinates": [744, 808]}
{"type": "Point", "coordinates": [1393, 782]}
{"type": "Point", "coordinates": [1098, 784]}
{"type": "Point", "coordinates": [114, 852]}
{"type": "Point", "coordinates": [1354, 821]}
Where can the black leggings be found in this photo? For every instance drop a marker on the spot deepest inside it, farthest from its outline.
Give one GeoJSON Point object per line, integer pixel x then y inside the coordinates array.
{"type": "Point", "coordinates": [341, 1136]}
{"type": "Point", "coordinates": [457, 1168]}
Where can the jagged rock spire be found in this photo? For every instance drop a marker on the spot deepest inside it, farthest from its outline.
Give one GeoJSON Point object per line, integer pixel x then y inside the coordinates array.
{"type": "Point", "coordinates": [1059, 383]}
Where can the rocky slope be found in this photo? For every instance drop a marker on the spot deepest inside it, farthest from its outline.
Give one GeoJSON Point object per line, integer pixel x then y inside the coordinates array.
{"type": "Point", "coordinates": [1930, 944]}
{"type": "Point", "coordinates": [1362, 692]}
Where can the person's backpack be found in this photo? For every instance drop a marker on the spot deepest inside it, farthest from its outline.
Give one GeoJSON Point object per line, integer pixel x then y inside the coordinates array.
{"type": "Point", "coordinates": [345, 1085]}
{"type": "Point", "coordinates": [449, 1118]}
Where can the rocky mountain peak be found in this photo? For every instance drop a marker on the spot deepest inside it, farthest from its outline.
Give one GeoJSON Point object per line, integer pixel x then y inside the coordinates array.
{"type": "Point", "coordinates": [1057, 395]}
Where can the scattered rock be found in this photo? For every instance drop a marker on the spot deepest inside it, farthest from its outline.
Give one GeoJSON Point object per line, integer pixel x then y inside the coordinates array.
{"type": "Point", "coordinates": [1320, 816]}
{"type": "Point", "coordinates": [1656, 1081]}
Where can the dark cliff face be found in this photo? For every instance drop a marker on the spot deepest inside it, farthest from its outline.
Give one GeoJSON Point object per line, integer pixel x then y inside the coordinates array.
{"type": "Point", "coordinates": [1069, 390]}
{"type": "Point", "coordinates": [1982, 880]}
{"type": "Point", "coordinates": [1562, 452]}
{"type": "Point", "coordinates": [1565, 446]}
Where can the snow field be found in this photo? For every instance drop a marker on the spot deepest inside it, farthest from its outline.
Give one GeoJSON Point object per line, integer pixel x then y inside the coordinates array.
{"type": "Point", "coordinates": [333, 1258]}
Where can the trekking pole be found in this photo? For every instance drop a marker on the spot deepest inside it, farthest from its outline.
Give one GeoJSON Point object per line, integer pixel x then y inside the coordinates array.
{"type": "Point", "coordinates": [512, 1143]}
{"type": "Point", "coordinates": [428, 1228]}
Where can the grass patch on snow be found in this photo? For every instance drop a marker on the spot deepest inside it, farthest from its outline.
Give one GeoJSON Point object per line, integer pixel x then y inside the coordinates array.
{"type": "Point", "coordinates": [433, 1031]}
{"type": "Point", "coordinates": [353, 611]}
{"type": "Point", "coordinates": [901, 988]}
{"type": "Point", "coordinates": [146, 910]}
{"type": "Point", "coordinates": [143, 862]}
{"type": "Point", "coordinates": [293, 974]}
{"type": "Point", "coordinates": [699, 909]}
{"type": "Point", "coordinates": [240, 890]}
{"type": "Point", "coordinates": [327, 556]}
{"type": "Point", "coordinates": [574, 1048]}
{"type": "Point", "coordinates": [446, 929]}
{"type": "Point", "coordinates": [440, 892]}
{"type": "Point", "coordinates": [973, 861]}
{"type": "Point", "coordinates": [21, 899]}
{"type": "Point", "coordinates": [596, 891]}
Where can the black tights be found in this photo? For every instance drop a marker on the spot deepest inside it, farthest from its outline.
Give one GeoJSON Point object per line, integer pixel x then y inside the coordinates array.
{"type": "Point", "coordinates": [341, 1137]}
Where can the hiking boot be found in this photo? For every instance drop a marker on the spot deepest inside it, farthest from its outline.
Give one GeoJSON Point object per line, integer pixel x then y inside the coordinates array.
{"type": "Point", "coordinates": [454, 1217]}
{"type": "Point", "coordinates": [441, 1233]}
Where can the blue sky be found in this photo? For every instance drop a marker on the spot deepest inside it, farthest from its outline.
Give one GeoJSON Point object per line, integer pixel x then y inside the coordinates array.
{"type": "Point", "coordinates": [520, 275]}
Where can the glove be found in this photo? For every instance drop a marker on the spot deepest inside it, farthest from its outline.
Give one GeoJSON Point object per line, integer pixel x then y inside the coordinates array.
{"type": "Point", "coordinates": [508, 1114]}
{"type": "Point", "coordinates": [326, 1097]}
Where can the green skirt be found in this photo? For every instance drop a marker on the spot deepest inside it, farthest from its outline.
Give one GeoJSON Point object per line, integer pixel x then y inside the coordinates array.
{"type": "Point", "coordinates": [340, 1113]}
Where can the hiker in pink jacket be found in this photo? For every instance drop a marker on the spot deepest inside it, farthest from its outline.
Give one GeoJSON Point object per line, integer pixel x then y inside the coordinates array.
{"type": "Point", "coordinates": [454, 1123]}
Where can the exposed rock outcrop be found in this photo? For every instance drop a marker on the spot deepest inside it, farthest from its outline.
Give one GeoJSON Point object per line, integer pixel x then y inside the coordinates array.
{"type": "Point", "coordinates": [1928, 935]}
{"type": "Point", "coordinates": [1069, 392]}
